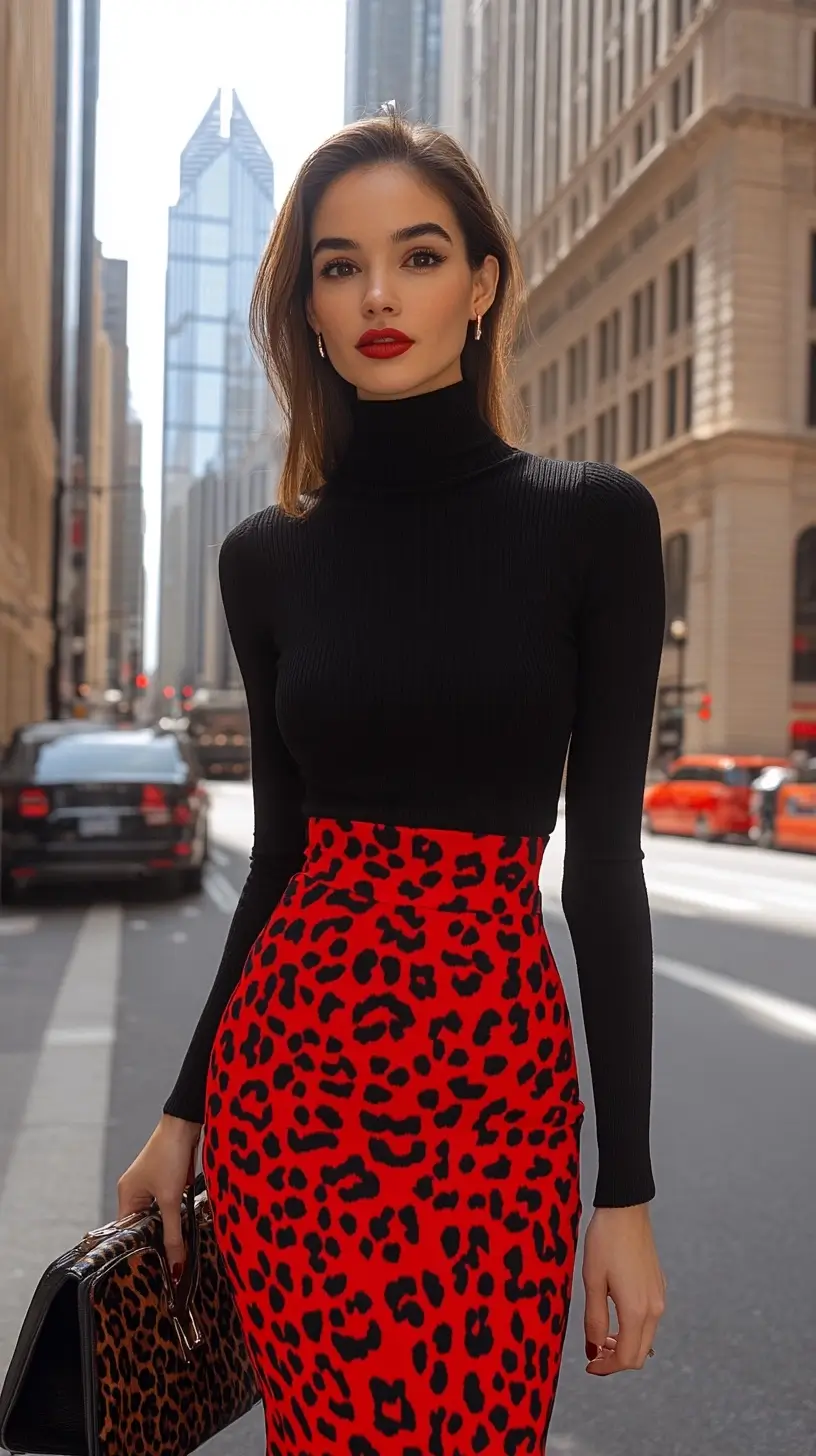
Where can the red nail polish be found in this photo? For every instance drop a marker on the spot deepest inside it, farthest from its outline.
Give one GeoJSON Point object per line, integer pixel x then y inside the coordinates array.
{"type": "Point", "coordinates": [591, 1351]}
{"type": "Point", "coordinates": [176, 1272]}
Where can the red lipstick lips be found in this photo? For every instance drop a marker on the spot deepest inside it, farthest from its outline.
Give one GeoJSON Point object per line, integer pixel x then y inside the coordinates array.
{"type": "Point", "coordinates": [384, 343]}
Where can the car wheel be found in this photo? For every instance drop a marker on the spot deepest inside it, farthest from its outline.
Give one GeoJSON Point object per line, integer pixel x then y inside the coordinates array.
{"type": "Point", "coordinates": [703, 830]}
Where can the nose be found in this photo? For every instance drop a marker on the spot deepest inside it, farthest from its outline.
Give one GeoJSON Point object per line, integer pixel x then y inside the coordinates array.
{"type": "Point", "coordinates": [379, 299]}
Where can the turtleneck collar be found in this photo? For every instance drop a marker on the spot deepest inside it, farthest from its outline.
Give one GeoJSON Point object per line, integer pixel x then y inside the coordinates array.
{"type": "Point", "coordinates": [424, 442]}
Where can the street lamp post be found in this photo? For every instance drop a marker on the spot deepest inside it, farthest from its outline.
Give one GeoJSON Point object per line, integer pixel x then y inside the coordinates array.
{"type": "Point", "coordinates": [678, 631]}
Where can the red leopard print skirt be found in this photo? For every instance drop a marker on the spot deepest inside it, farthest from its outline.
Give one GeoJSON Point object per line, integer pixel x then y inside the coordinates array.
{"type": "Point", "coordinates": [391, 1147]}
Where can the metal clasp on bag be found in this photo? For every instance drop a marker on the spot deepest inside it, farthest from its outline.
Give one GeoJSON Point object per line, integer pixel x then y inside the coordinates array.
{"type": "Point", "coordinates": [180, 1296]}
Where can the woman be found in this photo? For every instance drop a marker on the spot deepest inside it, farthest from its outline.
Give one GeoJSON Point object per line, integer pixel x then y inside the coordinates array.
{"type": "Point", "coordinates": [384, 1069]}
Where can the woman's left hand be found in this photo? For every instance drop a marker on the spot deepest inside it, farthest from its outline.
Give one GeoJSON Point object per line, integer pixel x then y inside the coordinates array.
{"type": "Point", "coordinates": [621, 1264]}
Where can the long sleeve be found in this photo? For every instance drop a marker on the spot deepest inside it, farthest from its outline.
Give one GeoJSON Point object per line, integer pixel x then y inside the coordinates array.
{"type": "Point", "coordinates": [620, 631]}
{"type": "Point", "coordinates": [280, 829]}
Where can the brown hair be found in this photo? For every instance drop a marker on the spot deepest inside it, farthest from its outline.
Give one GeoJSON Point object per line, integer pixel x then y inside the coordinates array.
{"type": "Point", "coordinates": [316, 401]}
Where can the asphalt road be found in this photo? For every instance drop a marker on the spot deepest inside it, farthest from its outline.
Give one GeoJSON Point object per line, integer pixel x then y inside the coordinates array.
{"type": "Point", "coordinates": [98, 995]}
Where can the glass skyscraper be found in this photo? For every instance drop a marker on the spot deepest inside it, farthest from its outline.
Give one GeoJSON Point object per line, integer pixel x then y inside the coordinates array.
{"type": "Point", "coordinates": [214, 390]}
{"type": "Point", "coordinates": [393, 53]}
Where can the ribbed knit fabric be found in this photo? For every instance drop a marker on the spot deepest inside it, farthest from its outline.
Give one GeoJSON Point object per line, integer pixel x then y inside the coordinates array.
{"type": "Point", "coordinates": [422, 649]}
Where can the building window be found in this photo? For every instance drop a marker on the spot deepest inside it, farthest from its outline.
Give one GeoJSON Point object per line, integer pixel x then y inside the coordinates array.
{"type": "Point", "coordinates": [548, 394]}
{"type": "Point", "coordinates": [634, 422]}
{"type": "Point", "coordinates": [618, 165]}
{"type": "Point", "coordinates": [688, 392]}
{"type": "Point", "coordinates": [655, 29]}
{"type": "Point", "coordinates": [616, 340]}
{"type": "Point", "coordinates": [573, 214]}
{"type": "Point", "coordinates": [689, 97]}
{"type": "Point", "coordinates": [572, 374]}
{"type": "Point", "coordinates": [804, 608]}
{"type": "Point", "coordinates": [640, 148]}
{"type": "Point", "coordinates": [640, 24]}
{"type": "Point", "coordinates": [673, 297]}
{"type": "Point", "coordinates": [671, 402]}
{"type": "Point", "coordinates": [605, 179]}
{"type": "Point", "coordinates": [677, 18]}
{"type": "Point", "coordinates": [675, 104]}
{"type": "Point", "coordinates": [812, 388]}
{"type": "Point", "coordinates": [603, 349]}
{"type": "Point", "coordinates": [688, 283]}
{"type": "Point", "coordinates": [650, 292]}
{"type": "Point", "coordinates": [647, 413]}
{"type": "Point", "coordinates": [576, 445]}
{"type": "Point", "coordinates": [634, 323]}
{"type": "Point", "coordinates": [583, 367]}
{"type": "Point", "coordinates": [813, 270]}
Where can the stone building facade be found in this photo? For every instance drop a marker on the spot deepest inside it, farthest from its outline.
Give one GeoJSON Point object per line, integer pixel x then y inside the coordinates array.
{"type": "Point", "coordinates": [27, 446]}
{"type": "Point", "coordinates": [658, 162]}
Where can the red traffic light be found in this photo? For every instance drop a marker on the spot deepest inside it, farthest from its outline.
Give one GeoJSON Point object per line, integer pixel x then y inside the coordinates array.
{"type": "Point", "coordinates": [141, 679]}
{"type": "Point", "coordinates": [169, 692]}
{"type": "Point", "coordinates": [704, 710]}
{"type": "Point", "coordinates": [187, 691]}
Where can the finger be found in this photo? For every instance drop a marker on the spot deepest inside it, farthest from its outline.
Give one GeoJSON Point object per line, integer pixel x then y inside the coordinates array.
{"type": "Point", "coordinates": [648, 1338]}
{"type": "Point", "coordinates": [629, 1339]}
{"type": "Point", "coordinates": [596, 1321]}
{"type": "Point", "coordinates": [171, 1233]}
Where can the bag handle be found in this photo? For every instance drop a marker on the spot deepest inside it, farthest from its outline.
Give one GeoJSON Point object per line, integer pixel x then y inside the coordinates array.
{"type": "Point", "coordinates": [182, 1295]}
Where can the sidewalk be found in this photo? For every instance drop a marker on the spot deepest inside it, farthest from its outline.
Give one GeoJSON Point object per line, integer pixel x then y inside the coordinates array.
{"type": "Point", "coordinates": [51, 1191]}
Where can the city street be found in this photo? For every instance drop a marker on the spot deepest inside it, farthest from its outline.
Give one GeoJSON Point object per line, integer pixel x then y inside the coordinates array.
{"type": "Point", "coordinates": [98, 998]}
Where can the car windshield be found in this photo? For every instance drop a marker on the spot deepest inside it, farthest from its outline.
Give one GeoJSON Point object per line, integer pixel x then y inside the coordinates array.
{"type": "Point", "coordinates": [107, 760]}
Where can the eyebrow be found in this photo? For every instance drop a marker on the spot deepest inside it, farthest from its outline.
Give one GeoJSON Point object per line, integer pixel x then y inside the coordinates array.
{"type": "Point", "coordinates": [402, 235]}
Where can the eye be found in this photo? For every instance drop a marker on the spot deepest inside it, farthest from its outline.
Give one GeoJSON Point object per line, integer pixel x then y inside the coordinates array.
{"type": "Point", "coordinates": [425, 258]}
{"type": "Point", "coordinates": [336, 268]}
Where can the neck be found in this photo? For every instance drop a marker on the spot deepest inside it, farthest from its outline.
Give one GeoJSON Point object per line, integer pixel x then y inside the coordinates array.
{"type": "Point", "coordinates": [419, 443]}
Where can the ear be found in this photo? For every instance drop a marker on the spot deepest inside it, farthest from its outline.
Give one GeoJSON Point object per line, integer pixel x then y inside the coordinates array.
{"type": "Point", "coordinates": [485, 284]}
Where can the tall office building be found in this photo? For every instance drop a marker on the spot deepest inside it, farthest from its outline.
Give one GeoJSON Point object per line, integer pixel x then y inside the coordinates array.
{"type": "Point", "coordinates": [214, 389]}
{"type": "Point", "coordinates": [393, 54]}
{"type": "Point", "coordinates": [73, 340]}
{"type": "Point", "coordinates": [124, 612]}
{"type": "Point", "coordinates": [27, 36]}
{"type": "Point", "coordinates": [657, 162]}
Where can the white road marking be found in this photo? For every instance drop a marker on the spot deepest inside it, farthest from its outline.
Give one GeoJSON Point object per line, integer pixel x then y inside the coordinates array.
{"type": "Point", "coordinates": [52, 1191]}
{"type": "Point", "coordinates": [75, 1036]}
{"type": "Point", "coordinates": [791, 1018]}
{"type": "Point", "coordinates": [223, 895]}
{"type": "Point", "coordinates": [17, 924]}
{"type": "Point", "coordinates": [711, 899]}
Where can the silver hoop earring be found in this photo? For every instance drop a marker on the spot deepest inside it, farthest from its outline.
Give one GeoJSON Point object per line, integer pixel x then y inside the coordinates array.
{"type": "Point", "coordinates": [320, 349]}
{"type": "Point", "coordinates": [478, 333]}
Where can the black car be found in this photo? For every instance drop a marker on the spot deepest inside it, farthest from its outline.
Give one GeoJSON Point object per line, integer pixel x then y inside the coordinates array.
{"type": "Point", "coordinates": [113, 804]}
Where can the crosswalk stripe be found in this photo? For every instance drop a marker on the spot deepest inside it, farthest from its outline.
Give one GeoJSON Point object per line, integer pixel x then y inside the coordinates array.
{"type": "Point", "coordinates": [793, 1018]}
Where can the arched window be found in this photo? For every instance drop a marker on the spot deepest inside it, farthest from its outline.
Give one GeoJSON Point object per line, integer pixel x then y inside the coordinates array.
{"type": "Point", "coordinates": [804, 608]}
{"type": "Point", "coordinates": [675, 566]}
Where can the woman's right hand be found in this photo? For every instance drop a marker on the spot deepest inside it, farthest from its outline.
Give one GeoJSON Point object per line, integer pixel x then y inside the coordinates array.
{"type": "Point", "coordinates": [162, 1171]}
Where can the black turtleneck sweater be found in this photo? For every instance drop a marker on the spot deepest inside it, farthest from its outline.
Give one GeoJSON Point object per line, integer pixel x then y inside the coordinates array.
{"type": "Point", "coordinates": [422, 649]}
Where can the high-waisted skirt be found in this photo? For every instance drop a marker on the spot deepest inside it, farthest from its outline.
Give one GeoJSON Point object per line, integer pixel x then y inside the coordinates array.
{"type": "Point", "coordinates": [391, 1147]}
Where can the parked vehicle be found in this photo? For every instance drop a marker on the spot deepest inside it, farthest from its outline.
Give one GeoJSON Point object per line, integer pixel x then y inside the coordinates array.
{"type": "Point", "coordinates": [218, 726]}
{"type": "Point", "coordinates": [705, 795]}
{"type": "Point", "coordinates": [103, 804]}
{"type": "Point", "coordinates": [47, 730]}
{"type": "Point", "coordinates": [786, 817]}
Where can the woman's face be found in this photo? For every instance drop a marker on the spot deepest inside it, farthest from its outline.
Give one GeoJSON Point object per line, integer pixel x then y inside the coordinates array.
{"type": "Point", "coordinates": [389, 259]}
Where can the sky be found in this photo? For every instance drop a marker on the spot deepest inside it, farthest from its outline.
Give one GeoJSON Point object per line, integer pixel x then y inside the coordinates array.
{"type": "Point", "coordinates": [162, 62]}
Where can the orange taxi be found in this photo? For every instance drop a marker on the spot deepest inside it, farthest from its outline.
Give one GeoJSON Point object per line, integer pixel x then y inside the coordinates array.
{"type": "Point", "coordinates": [794, 825]}
{"type": "Point", "coordinates": [705, 795]}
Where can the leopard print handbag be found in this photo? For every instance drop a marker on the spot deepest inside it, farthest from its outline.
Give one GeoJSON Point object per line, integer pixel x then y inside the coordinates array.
{"type": "Point", "coordinates": [112, 1359]}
